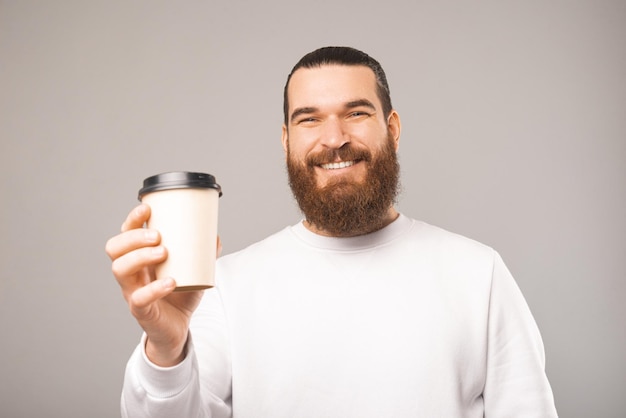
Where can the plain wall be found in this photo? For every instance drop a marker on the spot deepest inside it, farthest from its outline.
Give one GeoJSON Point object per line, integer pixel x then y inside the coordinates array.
{"type": "Point", "coordinates": [514, 134]}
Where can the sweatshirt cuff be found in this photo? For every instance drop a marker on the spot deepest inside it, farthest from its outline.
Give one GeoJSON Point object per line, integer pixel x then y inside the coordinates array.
{"type": "Point", "coordinates": [165, 382]}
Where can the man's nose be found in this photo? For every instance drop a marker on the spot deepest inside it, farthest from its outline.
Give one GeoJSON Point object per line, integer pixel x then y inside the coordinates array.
{"type": "Point", "coordinates": [334, 134]}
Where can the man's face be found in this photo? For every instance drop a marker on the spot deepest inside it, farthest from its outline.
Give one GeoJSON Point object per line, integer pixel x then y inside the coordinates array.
{"type": "Point", "coordinates": [341, 149]}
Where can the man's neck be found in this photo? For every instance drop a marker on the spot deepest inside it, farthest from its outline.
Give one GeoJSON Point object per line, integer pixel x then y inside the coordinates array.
{"type": "Point", "coordinates": [390, 216]}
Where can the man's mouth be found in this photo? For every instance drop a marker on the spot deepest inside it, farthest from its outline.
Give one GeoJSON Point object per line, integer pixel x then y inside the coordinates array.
{"type": "Point", "coordinates": [335, 166]}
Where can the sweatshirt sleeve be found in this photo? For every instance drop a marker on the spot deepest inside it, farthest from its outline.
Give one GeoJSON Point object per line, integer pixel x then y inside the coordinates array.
{"type": "Point", "coordinates": [198, 387]}
{"type": "Point", "coordinates": [516, 383]}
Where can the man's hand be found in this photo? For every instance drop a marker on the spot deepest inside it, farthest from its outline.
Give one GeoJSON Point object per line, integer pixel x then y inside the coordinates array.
{"type": "Point", "coordinates": [163, 315]}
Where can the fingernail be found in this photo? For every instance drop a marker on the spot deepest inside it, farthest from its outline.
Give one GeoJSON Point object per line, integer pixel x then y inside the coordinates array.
{"type": "Point", "coordinates": [139, 210]}
{"type": "Point", "coordinates": [168, 283]}
{"type": "Point", "coordinates": [158, 251]}
{"type": "Point", "coordinates": [151, 234]}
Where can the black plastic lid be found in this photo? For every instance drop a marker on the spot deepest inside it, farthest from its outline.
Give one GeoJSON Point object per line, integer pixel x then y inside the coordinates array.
{"type": "Point", "coordinates": [179, 180]}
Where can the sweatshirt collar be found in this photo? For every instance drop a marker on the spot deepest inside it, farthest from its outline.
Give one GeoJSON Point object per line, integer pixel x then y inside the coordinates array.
{"type": "Point", "coordinates": [358, 243]}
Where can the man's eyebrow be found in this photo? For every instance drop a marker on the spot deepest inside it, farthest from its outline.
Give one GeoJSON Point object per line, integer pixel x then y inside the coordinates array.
{"type": "Point", "coordinates": [359, 103]}
{"type": "Point", "coordinates": [301, 111]}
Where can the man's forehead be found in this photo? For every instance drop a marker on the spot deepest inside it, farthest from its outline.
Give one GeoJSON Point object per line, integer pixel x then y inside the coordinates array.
{"type": "Point", "coordinates": [332, 81]}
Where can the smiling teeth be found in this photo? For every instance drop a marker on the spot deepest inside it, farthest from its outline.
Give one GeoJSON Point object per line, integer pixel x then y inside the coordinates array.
{"type": "Point", "coordinates": [334, 166]}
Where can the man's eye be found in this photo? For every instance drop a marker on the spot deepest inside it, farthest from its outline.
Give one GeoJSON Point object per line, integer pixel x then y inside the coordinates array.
{"type": "Point", "coordinates": [358, 114]}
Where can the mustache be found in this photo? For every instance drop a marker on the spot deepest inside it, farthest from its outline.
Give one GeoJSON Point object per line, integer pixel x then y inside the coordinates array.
{"type": "Point", "coordinates": [345, 153]}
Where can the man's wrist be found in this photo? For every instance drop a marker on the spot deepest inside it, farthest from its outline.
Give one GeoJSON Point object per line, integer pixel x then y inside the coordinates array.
{"type": "Point", "coordinates": [165, 357]}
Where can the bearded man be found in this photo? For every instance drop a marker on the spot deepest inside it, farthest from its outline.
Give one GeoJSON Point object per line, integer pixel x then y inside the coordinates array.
{"type": "Point", "coordinates": [357, 311]}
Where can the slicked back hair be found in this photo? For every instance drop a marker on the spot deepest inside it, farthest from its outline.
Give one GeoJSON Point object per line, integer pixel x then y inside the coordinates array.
{"type": "Point", "coordinates": [342, 55]}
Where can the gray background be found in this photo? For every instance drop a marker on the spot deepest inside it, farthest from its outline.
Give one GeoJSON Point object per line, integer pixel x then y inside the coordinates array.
{"type": "Point", "coordinates": [514, 133]}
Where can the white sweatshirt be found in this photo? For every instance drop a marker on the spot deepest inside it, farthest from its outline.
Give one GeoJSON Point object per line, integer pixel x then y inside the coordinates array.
{"type": "Point", "coordinates": [410, 321]}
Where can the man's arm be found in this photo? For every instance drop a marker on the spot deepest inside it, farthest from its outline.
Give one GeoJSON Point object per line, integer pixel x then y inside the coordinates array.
{"type": "Point", "coordinates": [516, 384]}
{"type": "Point", "coordinates": [165, 392]}
{"type": "Point", "coordinates": [163, 374]}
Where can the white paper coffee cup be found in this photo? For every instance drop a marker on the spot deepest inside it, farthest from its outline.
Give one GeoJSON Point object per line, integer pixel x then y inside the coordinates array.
{"type": "Point", "coordinates": [184, 209]}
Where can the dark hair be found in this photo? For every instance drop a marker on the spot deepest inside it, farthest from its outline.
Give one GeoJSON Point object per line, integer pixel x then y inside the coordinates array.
{"type": "Point", "coordinates": [342, 55]}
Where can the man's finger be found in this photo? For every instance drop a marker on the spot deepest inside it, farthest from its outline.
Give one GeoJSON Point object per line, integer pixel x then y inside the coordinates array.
{"type": "Point", "coordinates": [136, 218]}
{"type": "Point", "coordinates": [131, 263]}
{"type": "Point", "coordinates": [142, 299]}
{"type": "Point", "coordinates": [131, 240]}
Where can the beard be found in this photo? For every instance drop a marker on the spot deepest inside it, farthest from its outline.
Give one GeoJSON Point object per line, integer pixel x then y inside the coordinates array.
{"type": "Point", "coordinates": [345, 207]}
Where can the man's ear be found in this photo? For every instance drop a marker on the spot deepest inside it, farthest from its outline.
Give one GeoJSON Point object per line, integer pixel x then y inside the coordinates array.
{"type": "Point", "coordinates": [395, 127]}
{"type": "Point", "coordinates": [285, 138]}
